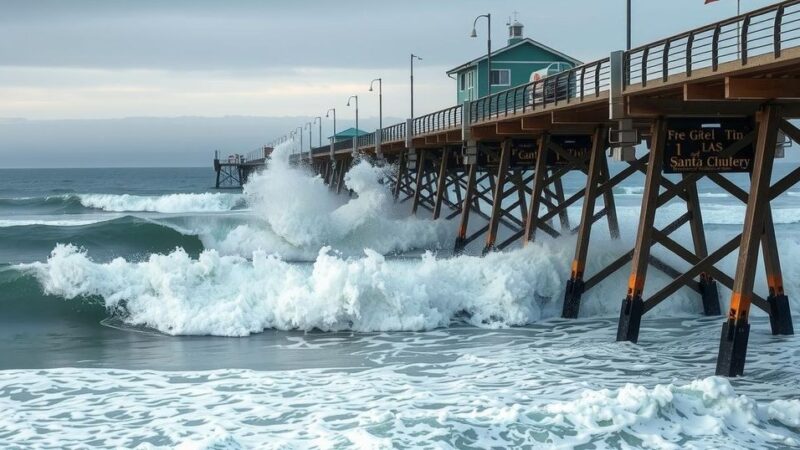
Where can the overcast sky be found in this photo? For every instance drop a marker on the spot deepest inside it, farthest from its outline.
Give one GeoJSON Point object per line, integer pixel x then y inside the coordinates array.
{"type": "Point", "coordinates": [105, 59]}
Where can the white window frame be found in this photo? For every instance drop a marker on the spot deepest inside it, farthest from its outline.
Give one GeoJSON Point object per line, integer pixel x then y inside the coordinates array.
{"type": "Point", "coordinates": [508, 74]}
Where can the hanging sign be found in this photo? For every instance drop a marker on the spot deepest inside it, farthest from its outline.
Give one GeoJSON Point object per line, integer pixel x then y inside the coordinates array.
{"type": "Point", "coordinates": [696, 145]}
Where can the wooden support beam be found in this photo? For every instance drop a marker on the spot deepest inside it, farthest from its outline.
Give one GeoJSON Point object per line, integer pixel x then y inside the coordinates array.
{"type": "Point", "coordinates": [536, 123]}
{"type": "Point", "coordinates": [499, 195]}
{"type": "Point", "coordinates": [632, 307]}
{"type": "Point", "coordinates": [453, 136]}
{"type": "Point", "coordinates": [575, 285]}
{"type": "Point", "coordinates": [441, 185]}
{"type": "Point", "coordinates": [431, 140]}
{"type": "Point", "coordinates": [762, 88]}
{"type": "Point", "coordinates": [736, 330]}
{"type": "Point", "coordinates": [466, 209]}
{"type": "Point", "coordinates": [640, 107]}
{"type": "Point", "coordinates": [703, 92]}
{"type": "Point", "coordinates": [418, 182]}
{"type": "Point", "coordinates": [484, 132]}
{"type": "Point", "coordinates": [532, 223]}
{"type": "Point", "coordinates": [592, 116]}
{"type": "Point", "coordinates": [514, 127]}
{"type": "Point", "coordinates": [402, 170]}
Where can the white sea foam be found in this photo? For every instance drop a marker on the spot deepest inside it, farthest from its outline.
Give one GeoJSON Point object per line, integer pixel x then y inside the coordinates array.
{"type": "Point", "coordinates": [299, 215]}
{"type": "Point", "coordinates": [51, 222]}
{"type": "Point", "coordinates": [478, 405]}
{"type": "Point", "coordinates": [232, 296]}
{"type": "Point", "coordinates": [170, 203]}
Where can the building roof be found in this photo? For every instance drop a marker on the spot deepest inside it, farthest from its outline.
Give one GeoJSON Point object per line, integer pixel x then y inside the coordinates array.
{"type": "Point", "coordinates": [347, 134]}
{"type": "Point", "coordinates": [525, 41]}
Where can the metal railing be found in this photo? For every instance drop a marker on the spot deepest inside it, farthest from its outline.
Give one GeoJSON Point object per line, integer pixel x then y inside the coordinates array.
{"type": "Point", "coordinates": [572, 85]}
{"type": "Point", "coordinates": [763, 31]}
{"type": "Point", "coordinates": [768, 30]}
{"type": "Point", "coordinates": [366, 140]}
{"type": "Point", "coordinates": [437, 121]}
{"type": "Point", "coordinates": [258, 155]}
{"type": "Point", "coordinates": [394, 133]}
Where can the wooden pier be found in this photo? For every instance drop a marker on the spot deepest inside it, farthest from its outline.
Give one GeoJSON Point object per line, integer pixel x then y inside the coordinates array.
{"type": "Point", "coordinates": [705, 103]}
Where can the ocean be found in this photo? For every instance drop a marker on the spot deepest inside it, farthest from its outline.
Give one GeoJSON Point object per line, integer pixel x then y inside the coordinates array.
{"type": "Point", "coordinates": [140, 308]}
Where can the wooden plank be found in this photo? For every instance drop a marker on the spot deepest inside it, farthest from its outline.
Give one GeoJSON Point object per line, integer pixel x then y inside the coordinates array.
{"type": "Point", "coordinates": [484, 132]}
{"type": "Point", "coordinates": [514, 127]}
{"type": "Point", "coordinates": [590, 116]}
{"type": "Point", "coordinates": [703, 92]}
{"type": "Point", "coordinates": [762, 88]}
{"type": "Point", "coordinates": [536, 123]}
{"type": "Point", "coordinates": [639, 107]}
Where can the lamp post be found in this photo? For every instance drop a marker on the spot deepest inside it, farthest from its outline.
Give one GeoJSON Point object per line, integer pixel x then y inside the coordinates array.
{"type": "Point", "coordinates": [355, 141]}
{"type": "Point", "coordinates": [474, 34]}
{"type": "Point", "coordinates": [327, 114]}
{"type": "Point", "coordinates": [310, 126]}
{"type": "Point", "coordinates": [629, 25]}
{"type": "Point", "coordinates": [379, 140]}
{"type": "Point", "coordinates": [333, 140]}
{"type": "Point", "coordinates": [319, 119]}
{"type": "Point", "coordinates": [412, 82]}
{"type": "Point", "coordinates": [301, 140]}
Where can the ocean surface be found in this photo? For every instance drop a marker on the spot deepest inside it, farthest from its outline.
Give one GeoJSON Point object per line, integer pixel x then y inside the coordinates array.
{"type": "Point", "coordinates": [140, 308]}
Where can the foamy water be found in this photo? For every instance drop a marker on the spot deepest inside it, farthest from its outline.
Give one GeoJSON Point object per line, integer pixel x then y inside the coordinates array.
{"type": "Point", "coordinates": [440, 390]}
{"type": "Point", "coordinates": [365, 344]}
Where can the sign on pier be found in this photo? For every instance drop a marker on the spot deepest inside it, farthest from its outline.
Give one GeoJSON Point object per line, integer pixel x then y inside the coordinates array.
{"type": "Point", "coordinates": [699, 145]}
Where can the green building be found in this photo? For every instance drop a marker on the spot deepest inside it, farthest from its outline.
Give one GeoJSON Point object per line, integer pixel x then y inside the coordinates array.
{"type": "Point", "coordinates": [346, 135]}
{"type": "Point", "coordinates": [512, 65]}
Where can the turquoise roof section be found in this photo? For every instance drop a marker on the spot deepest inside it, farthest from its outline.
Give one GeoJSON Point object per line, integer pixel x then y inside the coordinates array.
{"type": "Point", "coordinates": [347, 134]}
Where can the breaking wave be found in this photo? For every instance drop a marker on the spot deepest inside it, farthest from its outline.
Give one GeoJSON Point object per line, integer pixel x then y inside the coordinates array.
{"type": "Point", "coordinates": [170, 203]}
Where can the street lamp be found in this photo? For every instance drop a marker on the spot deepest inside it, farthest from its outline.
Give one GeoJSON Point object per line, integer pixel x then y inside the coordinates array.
{"type": "Point", "coordinates": [320, 129]}
{"type": "Point", "coordinates": [412, 82]}
{"type": "Point", "coordinates": [310, 126]}
{"type": "Point", "coordinates": [355, 142]}
{"type": "Point", "coordinates": [301, 140]}
{"type": "Point", "coordinates": [380, 114]}
{"type": "Point", "coordinates": [474, 34]}
{"type": "Point", "coordinates": [327, 114]}
{"type": "Point", "coordinates": [333, 140]}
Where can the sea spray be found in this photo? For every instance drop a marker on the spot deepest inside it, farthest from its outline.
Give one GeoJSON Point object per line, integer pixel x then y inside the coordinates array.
{"type": "Point", "coordinates": [300, 210]}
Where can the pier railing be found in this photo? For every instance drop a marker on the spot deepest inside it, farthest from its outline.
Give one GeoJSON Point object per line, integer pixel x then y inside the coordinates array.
{"type": "Point", "coordinates": [569, 86]}
{"type": "Point", "coordinates": [394, 133]}
{"type": "Point", "coordinates": [763, 31]}
{"type": "Point", "coordinates": [436, 121]}
{"type": "Point", "coordinates": [768, 30]}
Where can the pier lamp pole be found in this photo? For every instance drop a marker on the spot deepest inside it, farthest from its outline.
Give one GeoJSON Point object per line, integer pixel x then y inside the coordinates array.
{"type": "Point", "coordinates": [327, 114]}
{"type": "Point", "coordinates": [310, 126]}
{"type": "Point", "coordinates": [474, 34]}
{"type": "Point", "coordinates": [412, 82]}
{"type": "Point", "coordinates": [380, 113]}
{"type": "Point", "coordinates": [629, 24]}
{"type": "Point", "coordinates": [301, 141]}
{"type": "Point", "coordinates": [355, 142]}
{"type": "Point", "coordinates": [333, 139]}
{"type": "Point", "coordinates": [318, 118]}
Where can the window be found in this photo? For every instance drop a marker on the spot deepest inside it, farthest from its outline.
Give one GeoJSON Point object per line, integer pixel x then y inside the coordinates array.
{"type": "Point", "coordinates": [501, 77]}
{"type": "Point", "coordinates": [462, 80]}
{"type": "Point", "coordinates": [470, 80]}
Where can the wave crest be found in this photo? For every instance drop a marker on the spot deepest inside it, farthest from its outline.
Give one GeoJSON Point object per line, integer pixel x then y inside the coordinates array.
{"type": "Point", "coordinates": [231, 296]}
